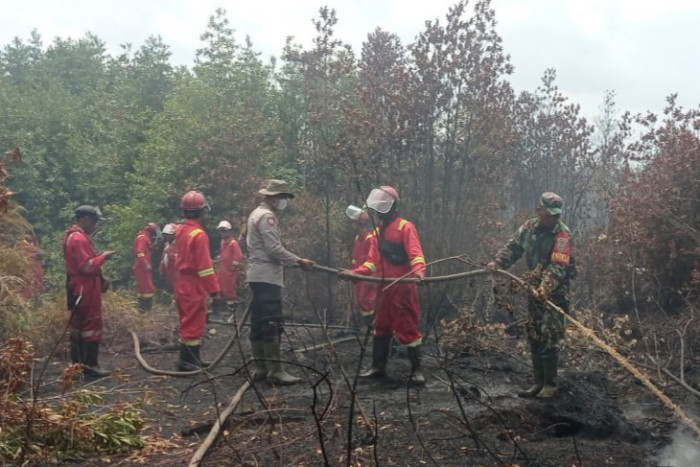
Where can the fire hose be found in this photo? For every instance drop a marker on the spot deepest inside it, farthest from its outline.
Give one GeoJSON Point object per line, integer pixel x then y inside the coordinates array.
{"type": "Point", "coordinates": [625, 363]}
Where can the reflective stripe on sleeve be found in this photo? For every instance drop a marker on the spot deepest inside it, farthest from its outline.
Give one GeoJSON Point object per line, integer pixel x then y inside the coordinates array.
{"type": "Point", "coordinates": [402, 222]}
{"type": "Point", "coordinates": [370, 265]}
{"type": "Point", "coordinates": [196, 232]}
{"type": "Point", "coordinates": [417, 259]}
{"type": "Point", "coordinates": [139, 255]}
{"type": "Point", "coordinates": [206, 272]}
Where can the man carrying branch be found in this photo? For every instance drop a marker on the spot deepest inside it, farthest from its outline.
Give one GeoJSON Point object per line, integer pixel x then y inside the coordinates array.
{"type": "Point", "coordinates": [546, 242]}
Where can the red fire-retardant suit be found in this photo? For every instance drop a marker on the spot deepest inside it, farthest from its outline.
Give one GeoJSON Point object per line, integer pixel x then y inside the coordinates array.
{"type": "Point", "coordinates": [229, 260]}
{"type": "Point", "coordinates": [168, 265]}
{"type": "Point", "coordinates": [365, 292]}
{"type": "Point", "coordinates": [84, 276]}
{"type": "Point", "coordinates": [142, 264]}
{"type": "Point", "coordinates": [195, 280]}
{"type": "Point", "coordinates": [34, 283]}
{"type": "Point", "coordinates": [398, 308]}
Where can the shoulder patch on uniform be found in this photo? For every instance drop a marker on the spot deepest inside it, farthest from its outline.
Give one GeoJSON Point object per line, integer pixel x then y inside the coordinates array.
{"type": "Point", "coordinates": [562, 242]}
{"type": "Point", "coordinates": [271, 220]}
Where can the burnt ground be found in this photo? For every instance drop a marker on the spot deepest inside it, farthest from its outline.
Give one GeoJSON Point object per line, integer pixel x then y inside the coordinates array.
{"type": "Point", "coordinates": [466, 415]}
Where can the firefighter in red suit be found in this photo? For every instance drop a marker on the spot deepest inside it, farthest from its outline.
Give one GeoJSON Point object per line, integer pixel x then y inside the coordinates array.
{"type": "Point", "coordinates": [365, 292]}
{"type": "Point", "coordinates": [143, 245]}
{"type": "Point", "coordinates": [230, 258]}
{"type": "Point", "coordinates": [395, 251]}
{"type": "Point", "coordinates": [195, 279]}
{"type": "Point", "coordinates": [168, 266]}
{"type": "Point", "coordinates": [84, 286]}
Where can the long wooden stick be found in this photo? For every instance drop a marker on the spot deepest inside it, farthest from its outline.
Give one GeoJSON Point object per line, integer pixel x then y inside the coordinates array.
{"type": "Point", "coordinates": [204, 447]}
{"type": "Point", "coordinates": [684, 418]}
{"type": "Point", "coordinates": [326, 344]}
{"type": "Point", "coordinates": [415, 280]}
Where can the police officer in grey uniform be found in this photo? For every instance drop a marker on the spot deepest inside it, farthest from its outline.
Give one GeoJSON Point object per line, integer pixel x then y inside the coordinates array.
{"type": "Point", "coordinates": [265, 276]}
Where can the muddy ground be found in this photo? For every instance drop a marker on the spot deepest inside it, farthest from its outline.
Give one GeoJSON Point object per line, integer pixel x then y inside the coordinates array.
{"type": "Point", "coordinates": [466, 415]}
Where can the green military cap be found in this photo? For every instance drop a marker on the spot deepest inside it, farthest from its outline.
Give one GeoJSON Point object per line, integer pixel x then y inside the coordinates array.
{"type": "Point", "coordinates": [87, 210]}
{"type": "Point", "coordinates": [551, 202]}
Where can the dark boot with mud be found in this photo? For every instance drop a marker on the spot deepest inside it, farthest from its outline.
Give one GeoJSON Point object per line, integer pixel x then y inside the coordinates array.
{"type": "Point", "coordinates": [537, 375]}
{"type": "Point", "coordinates": [276, 374]}
{"type": "Point", "coordinates": [417, 378]}
{"type": "Point", "coordinates": [549, 370]}
{"type": "Point", "coordinates": [380, 355]}
{"type": "Point", "coordinates": [91, 367]}
{"type": "Point", "coordinates": [76, 351]}
{"type": "Point", "coordinates": [145, 304]}
{"type": "Point", "coordinates": [259, 372]}
{"type": "Point", "coordinates": [189, 358]}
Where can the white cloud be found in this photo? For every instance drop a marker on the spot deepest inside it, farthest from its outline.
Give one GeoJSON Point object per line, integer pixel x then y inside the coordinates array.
{"type": "Point", "coordinates": [638, 47]}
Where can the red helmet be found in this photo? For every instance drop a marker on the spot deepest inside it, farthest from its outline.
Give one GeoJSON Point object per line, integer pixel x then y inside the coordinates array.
{"type": "Point", "coordinates": [193, 200]}
{"type": "Point", "coordinates": [152, 228]}
{"type": "Point", "coordinates": [391, 190]}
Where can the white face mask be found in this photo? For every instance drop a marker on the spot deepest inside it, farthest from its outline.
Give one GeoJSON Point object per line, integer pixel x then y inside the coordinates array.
{"type": "Point", "coordinates": [281, 204]}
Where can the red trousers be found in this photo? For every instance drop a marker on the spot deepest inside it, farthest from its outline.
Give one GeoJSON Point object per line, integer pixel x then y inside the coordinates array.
{"type": "Point", "coordinates": [191, 300]}
{"type": "Point", "coordinates": [144, 282]}
{"type": "Point", "coordinates": [86, 317]}
{"type": "Point", "coordinates": [397, 314]}
{"type": "Point", "coordinates": [228, 281]}
{"type": "Point", "coordinates": [366, 296]}
{"type": "Point", "coordinates": [86, 324]}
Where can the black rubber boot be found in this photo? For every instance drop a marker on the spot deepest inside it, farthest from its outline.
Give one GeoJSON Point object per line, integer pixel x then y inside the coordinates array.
{"type": "Point", "coordinates": [276, 374]}
{"type": "Point", "coordinates": [145, 304]}
{"type": "Point", "coordinates": [189, 358]}
{"type": "Point", "coordinates": [91, 366]}
{"type": "Point", "coordinates": [76, 351]}
{"type": "Point", "coordinates": [537, 376]}
{"type": "Point", "coordinates": [259, 372]}
{"type": "Point", "coordinates": [187, 361]}
{"type": "Point", "coordinates": [417, 377]}
{"type": "Point", "coordinates": [380, 355]}
{"type": "Point", "coordinates": [549, 371]}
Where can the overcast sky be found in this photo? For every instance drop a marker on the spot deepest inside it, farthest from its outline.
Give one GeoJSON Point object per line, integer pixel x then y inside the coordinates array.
{"type": "Point", "coordinates": [642, 49]}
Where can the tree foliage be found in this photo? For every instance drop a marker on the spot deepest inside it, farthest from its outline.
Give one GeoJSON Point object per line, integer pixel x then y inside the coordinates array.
{"type": "Point", "coordinates": [437, 118]}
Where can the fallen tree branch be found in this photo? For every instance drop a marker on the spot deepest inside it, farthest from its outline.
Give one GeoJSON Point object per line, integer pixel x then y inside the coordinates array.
{"type": "Point", "coordinates": [326, 344]}
{"type": "Point", "coordinates": [685, 385]}
{"type": "Point", "coordinates": [644, 379]}
{"type": "Point", "coordinates": [204, 447]}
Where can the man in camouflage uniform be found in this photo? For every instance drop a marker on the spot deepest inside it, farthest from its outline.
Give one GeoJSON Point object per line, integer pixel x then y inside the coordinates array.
{"type": "Point", "coordinates": [546, 242]}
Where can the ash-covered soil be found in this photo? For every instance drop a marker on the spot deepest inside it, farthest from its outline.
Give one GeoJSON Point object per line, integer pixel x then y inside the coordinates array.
{"type": "Point", "coordinates": [466, 415]}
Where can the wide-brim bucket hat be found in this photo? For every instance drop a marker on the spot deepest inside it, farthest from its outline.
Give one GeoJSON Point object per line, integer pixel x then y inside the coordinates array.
{"type": "Point", "coordinates": [275, 188]}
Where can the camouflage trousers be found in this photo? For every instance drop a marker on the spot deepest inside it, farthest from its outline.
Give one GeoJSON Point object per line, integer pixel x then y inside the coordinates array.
{"type": "Point", "coordinates": [546, 327]}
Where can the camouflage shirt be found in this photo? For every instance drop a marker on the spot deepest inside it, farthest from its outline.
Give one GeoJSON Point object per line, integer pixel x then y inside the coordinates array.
{"type": "Point", "coordinates": [550, 248]}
